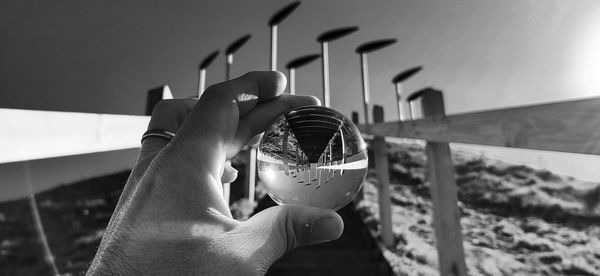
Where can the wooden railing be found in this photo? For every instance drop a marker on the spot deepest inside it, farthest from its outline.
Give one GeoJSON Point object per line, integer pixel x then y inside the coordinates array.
{"type": "Point", "coordinates": [571, 126]}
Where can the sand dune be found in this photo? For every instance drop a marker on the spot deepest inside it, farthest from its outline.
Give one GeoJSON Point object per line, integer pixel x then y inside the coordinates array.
{"type": "Point", "coordinates": [516, 220]}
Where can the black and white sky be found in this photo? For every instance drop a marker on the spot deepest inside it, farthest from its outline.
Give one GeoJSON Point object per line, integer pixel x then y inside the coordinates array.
{"type": "Point", "coordinates": [103, 56]}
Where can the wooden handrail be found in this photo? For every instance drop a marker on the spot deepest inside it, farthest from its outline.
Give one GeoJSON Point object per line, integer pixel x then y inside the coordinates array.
{"type": "Point", "coordinates": [37, 134]}
{"type": "Point", "coordinates": [572, 126]}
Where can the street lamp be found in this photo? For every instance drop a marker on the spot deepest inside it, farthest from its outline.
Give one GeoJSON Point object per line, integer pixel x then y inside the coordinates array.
{"type": "Point", "coordinates": [363, 50]}
{"type": "Point", "coordinates": [273, 23]}
{"type": "Point", "coordinates": [202, 76]}
{"type": "Point", "coordinates": [233, 47]}
{"type": "Point", "coordinates": [296, 63]}
{"type": "Point", "coordinates": [324, 39]}
{"type": "Point", "coordinates": [397, 81]}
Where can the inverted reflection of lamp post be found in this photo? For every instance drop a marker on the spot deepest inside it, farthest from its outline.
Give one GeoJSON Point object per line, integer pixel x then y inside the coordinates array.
{"type": "Point", "coordinates": [202, 75]}
{"type": "Point", "coordinates": [363, 50]}
{"type": "Point", "coordinates": [324, 39]}
{"type": "Point", "coordinates": [274, 23]}
{"type": "Point", "coordinates": [233, 47]}
{"type": "Point", "coordinates": [397, 81]}
{"type": "Point", "coordinates": [296, 63]}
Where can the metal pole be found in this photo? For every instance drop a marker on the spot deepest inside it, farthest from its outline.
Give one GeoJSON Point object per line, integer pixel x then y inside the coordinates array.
{"type": "Point", "coordinates": [365, 83]}
{"type": "Point", "coordinates": [274, 48]}
{"type": "Point", "coordinates": [325, 63]}
{"type": "Point", "coordinates": [398, 80]}
{"type": "Point", "coordinates": [229, 61]}
{"type": "Point", "coordinates": [292, 73]}
{"type": "Point", "coordinates": [201, 82]}
{"type": "Point", "coordinates": [227, 186]}
{"type": "Point", "coordinates": [324, 39]}
{"type": "Point", "coordinates": [202, 74]}
{"type": "Point", "coordinates": [296, 63]}
{"type": "Point", "coordinates": [363, 50]}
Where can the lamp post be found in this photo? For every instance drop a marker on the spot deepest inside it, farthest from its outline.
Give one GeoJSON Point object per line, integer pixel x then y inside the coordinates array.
{"type": "Point", "coordinates": [324, 39]}
{"type": "Point", "coordinates": [279, 16]}
{"type": "Point", "coordinates": [363, 50]}
{"type": "Point", "coordinates": [296, 63]}
{"type": "Point", "coordinates": [231, 49]}
{"type": "Point", "coordinates": [202, 75]}
{"type": "Point", "coordinates": [397, 81]}
{"type": "Point", "coordinates": [274, 22]}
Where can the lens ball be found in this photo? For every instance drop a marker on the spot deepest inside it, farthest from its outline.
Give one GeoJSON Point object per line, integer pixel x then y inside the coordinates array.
{"type": "Point", "coordinates": [312, 156]}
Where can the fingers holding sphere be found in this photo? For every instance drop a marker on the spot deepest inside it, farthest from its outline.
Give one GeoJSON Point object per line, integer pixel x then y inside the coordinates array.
{"type": "Point", "coordinates": [262, 116]}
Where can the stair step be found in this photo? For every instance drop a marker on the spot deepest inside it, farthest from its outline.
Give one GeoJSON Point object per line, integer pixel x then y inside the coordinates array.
{"type": "Point", "coordinates": [331, 256]}
{"type": "Point", "coordinates": [354, 253]}
{"type": "Point", "coordinates": [309, 269]}
{"type": "Point", "coordinates": [348, 243]}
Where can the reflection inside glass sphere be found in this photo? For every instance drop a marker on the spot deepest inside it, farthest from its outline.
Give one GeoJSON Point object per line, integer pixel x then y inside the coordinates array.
{"type": "Point", "coordinates": [312, 156]}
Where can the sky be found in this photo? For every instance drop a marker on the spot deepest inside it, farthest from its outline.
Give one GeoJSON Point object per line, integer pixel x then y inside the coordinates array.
{"type": "Point", "coordinates": [104, 56]}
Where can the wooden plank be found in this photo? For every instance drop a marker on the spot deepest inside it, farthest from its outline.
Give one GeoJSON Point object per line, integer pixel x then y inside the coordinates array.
{"type": "Point", "coordinates": [572, 126]}
{"type": "Point", "coordinates": [381, 165]}
{"type": "Point", "coordinates": [446, 216]}
{"type": "Point", "coordinates": [36, 134]}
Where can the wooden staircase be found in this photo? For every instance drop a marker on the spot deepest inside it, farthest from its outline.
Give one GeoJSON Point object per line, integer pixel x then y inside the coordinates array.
{"type": "Point", "coordinates": [354, 253]}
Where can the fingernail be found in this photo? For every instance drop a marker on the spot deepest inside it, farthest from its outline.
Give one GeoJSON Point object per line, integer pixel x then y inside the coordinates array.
{"type": "Point", "coordinates": [326, 229]}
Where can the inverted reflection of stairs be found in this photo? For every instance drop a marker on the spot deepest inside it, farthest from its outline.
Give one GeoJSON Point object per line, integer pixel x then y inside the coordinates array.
{"type": "Point", "coordinates": [354, 253]}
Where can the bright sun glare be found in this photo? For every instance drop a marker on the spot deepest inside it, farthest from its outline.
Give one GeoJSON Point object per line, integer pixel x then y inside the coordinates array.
{"type": "Point", "coordinates": [585, 70]}
{"type": "Point", "coordinates": [269, 173]}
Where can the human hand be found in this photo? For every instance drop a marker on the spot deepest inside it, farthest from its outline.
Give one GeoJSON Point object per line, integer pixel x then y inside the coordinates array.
{"type": "Point", "coordinates": [172, 218]}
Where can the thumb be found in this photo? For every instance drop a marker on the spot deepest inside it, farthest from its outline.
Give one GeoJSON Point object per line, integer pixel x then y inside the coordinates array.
{"type": "Point", "coordinates": [280, 229]}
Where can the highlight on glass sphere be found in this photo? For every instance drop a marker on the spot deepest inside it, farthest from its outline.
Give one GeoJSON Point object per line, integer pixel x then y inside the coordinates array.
{"type": "Point", "coordinates": [312, 156]}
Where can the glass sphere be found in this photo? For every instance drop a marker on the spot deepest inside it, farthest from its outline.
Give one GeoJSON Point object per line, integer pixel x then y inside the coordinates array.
{"type": "Point", "coordinates": [312, 156]}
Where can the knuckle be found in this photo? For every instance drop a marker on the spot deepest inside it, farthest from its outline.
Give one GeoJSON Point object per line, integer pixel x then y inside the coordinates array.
{"type": "Point", "coordinates": [162, 106]}
{"type": "Point", "coordinates": [217, 92]}
{"type": "Point", "coordinates": [312, 100]}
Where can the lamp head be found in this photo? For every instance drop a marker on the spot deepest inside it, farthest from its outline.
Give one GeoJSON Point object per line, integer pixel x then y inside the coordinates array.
{"type": "Point", "coordinates": [236, 45]}
{"type": "Point", "coordinates": [208, 60]}
{"type": "Point", "coordinates": [301, 61]}
{"type": "Point", "coordinates": [336, 34]}
{"type": "Point", "coordinates": [375, 45]}
{"type": "Point", "coordinates": [283, 13]}
{"type": "Point", "coordinates": [406, 74]}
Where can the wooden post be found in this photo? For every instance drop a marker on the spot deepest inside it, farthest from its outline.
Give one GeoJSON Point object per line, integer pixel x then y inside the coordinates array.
{"type": "Point", "coordinates": [440, 174]}
{"type": "Point", "coordinates": [360, 194]}
{"type": "Point", "coordinates": [381, 165]}
{"type": "Point", "coordinates": [355, 117]}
